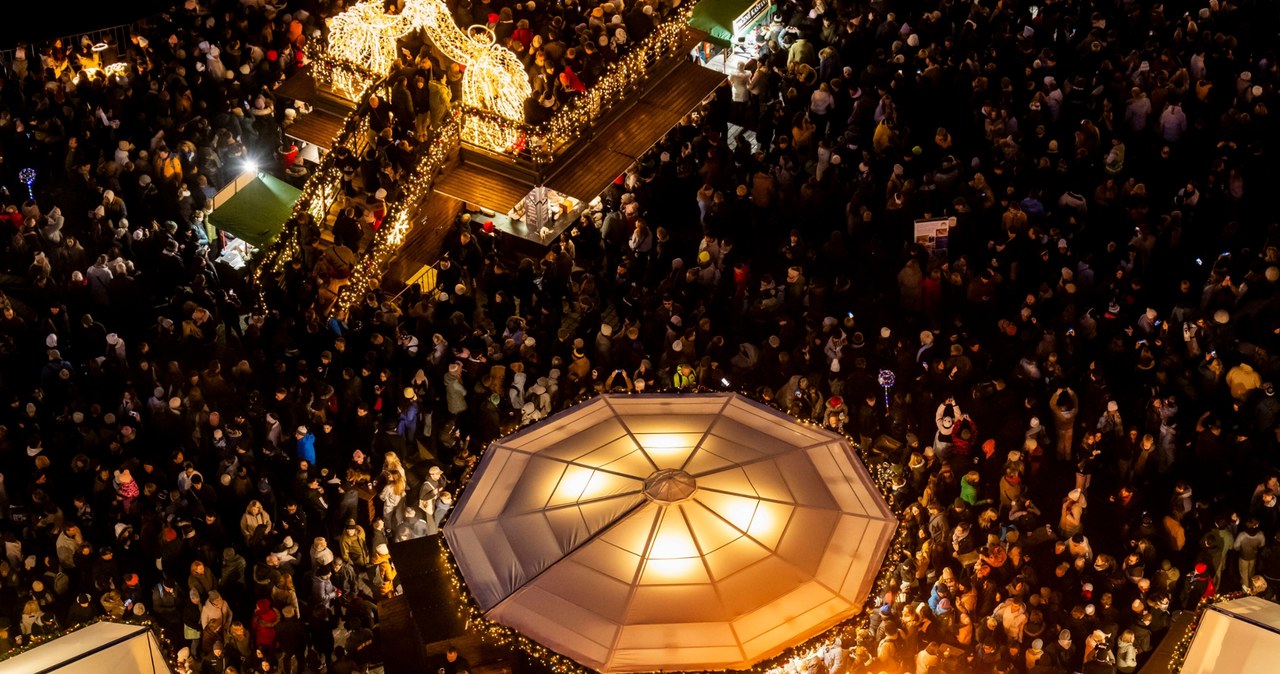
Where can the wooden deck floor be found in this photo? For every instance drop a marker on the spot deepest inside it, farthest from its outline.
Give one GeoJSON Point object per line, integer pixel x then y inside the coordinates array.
{"type": "Point", "coordinates": [483, 187]}
{"type": "Point", "coordinates": [425, 241]}
{"type": "Point", "coordinates": [583, 173]}
{"type": "Point", "coordinates": [637, 128]}
{"type": "Point", "coordinates": [318, 128]}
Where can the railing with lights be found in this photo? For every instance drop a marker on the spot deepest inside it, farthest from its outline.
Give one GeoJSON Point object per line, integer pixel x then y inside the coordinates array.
{"type": "Point", "coordinates": [348, 80]}
{"type": "Point", "coordinates": [399, 216]}
{"type": "Point", "coordinates": [543, 143]}
{"type": "Point", "coordinates": [660, 47]}
{"type": "Point", "coordinates": [322, 189]}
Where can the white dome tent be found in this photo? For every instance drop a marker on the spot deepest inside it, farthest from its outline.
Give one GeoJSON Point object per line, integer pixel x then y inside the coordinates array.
{"type": "Point", "coordinates": [670, 532]}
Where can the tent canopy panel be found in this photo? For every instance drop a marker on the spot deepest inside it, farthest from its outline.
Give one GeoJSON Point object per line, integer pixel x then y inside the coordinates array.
{"type": "Point", "coordinates": [100, 647]}
{"type": "Point", "coordinates": [258, 211]}
{"type": "Point", "coordinates": [1241, 636]}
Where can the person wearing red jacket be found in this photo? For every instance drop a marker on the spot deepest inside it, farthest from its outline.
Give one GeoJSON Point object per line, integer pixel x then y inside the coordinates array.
{"type": "Point", "coordinates": [265, 619]}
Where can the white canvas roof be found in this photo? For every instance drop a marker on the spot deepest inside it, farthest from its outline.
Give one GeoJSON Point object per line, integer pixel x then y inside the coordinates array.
{"type": "Point", "coordinates": [101, 647]}
{"type": "Point", "coordinates": [1241, 636]}
{"type": "Point", "coordinates": [639, 533]}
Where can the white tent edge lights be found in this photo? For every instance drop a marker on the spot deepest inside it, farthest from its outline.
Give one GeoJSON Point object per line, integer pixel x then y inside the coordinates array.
{"type": "Point", "coordinates": [1241, 636]}
{"type": "Point", "coordinates": [671, 532]}
{"type": "Point", "coordinates": [97, 648]}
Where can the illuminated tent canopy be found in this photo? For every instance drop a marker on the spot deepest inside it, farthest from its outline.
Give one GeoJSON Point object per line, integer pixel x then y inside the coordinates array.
{"type": "Point", "coordinates": [640, 533]}
{"type": "Point", "coordinates": [117, 648]}
{"type": "Point", "coordinates": [1241, 635]}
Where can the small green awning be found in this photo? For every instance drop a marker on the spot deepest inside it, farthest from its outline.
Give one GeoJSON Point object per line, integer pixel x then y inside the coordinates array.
{"type": "Point", "coordinates": [258, 211]}
{"type": "Point", "coordinates": [722, 20]}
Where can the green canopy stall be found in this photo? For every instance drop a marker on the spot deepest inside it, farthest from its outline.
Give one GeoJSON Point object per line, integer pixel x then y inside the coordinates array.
{"type": "Point", "coordinates": [724, 20]}
{"type": "Point", "coordinates": [257, 211]}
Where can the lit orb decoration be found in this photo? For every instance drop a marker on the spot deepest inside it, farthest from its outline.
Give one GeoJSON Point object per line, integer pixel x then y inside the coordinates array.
{"type": "Point", "coordinates": [886, 380]}
{"type": "Point", "coordinates": [493, 78]}
{"type": "Point", "coordinates": [28, 176]}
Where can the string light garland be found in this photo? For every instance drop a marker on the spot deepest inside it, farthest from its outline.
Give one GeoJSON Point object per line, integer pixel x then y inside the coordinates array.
{"type": "Point", "coordinates": [541, 143]}
{"type": "Point", "coordinates": [322, 188]}
{"type": "Point", "coordinates": [580, 113]}
{"type": "Point", "coordinates": [1179, 656]}
{"type": "Point", "coordinates": [397, 222]}
{"type": "Point", "coordinates": [788, 661]}
{"type": "Point", "coordinates": [32, 641]}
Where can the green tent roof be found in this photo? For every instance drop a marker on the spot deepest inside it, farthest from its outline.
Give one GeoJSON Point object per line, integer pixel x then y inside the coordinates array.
{"type": "Point", "coordinates": [258, 211]}
{"type": "Point", "coordinates": [715, 17]}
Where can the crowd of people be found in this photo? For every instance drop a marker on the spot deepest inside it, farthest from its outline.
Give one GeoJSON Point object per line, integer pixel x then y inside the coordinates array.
{"type": "Point", "coordinates": [565, 46]}
{"type": "Point", "coordinates": [1081, 430]}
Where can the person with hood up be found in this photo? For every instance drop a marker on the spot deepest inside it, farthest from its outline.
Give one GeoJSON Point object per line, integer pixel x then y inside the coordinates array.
{"type": "Point", "coordinates": [265, 620]}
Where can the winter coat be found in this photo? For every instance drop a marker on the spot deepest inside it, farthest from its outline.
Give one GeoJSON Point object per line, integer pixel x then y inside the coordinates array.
{"type": "Point", "coordinates": [265, 620]}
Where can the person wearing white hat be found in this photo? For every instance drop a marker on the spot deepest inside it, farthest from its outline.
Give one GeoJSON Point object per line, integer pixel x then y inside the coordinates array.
{"type": "Point", "coordinates": [1071, 521]}
{"type": "Point", "coordinates": [383, 572]}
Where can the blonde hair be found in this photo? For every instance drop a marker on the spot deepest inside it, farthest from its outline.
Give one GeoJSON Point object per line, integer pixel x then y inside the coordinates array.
{"type": "Point", "coordinates": [391, 463]}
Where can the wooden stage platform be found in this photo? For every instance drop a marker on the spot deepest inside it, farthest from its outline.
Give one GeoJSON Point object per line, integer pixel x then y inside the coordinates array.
{"type": "Point", "coordinates": [582, 172]}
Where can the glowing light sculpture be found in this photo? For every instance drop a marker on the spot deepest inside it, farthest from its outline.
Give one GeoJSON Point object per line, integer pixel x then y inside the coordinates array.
{"type": "Point", "coordinates": [670, 532]}
{"type": "Point", "coordinates": [493, 78]}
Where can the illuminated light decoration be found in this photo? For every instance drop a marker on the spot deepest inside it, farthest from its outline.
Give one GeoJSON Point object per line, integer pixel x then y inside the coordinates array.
{"type": "Point", "coordinates": [793, 659]}
{"type": "Point", "coordinates": [886, 380]}
{"type": "Point", "coordinates": [119, 69]}
{"type": "Point", "coordinates": [28, 176]}
{"type": "Point", "coordinates": [366, 35]}
{"type": "Point", "coordinates": [542, 142]}
{"type": "Point", "coordinates": [493, 79]}
{"type": "Point", "coordinates": [396, 223]}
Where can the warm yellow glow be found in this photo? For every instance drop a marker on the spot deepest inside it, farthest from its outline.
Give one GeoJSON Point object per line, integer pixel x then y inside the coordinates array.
{"type": "Point", "coordinates": [366, 35]}
{"type": "Point", "coordinates": [668, 450]}
{"type": "Point", "coordinates": [740, 513]}
{"type": "Point", "coordinates": [673, 554]}
{"type": "Point", "coordinates": [672, 569]}
{"type": "Point", "coordinates": [673, 546]}
{"type": "Point", "coordinates": [493, 79]}
{"type": "Point", "coordinates": [573, 485]}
